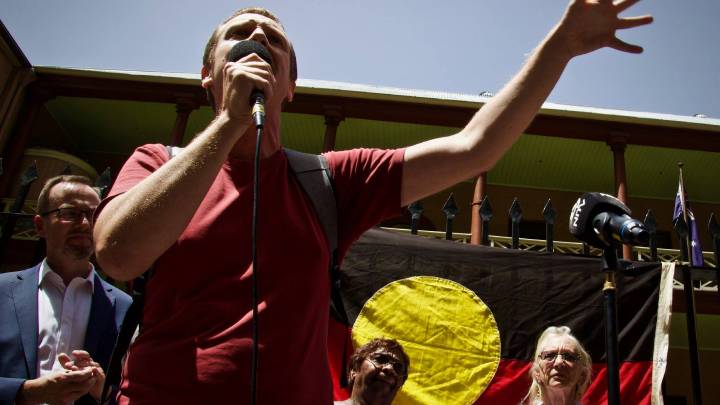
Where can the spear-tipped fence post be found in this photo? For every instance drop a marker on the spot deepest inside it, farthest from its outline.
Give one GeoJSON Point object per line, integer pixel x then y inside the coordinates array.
{"type": "Point", "coordinates": [486, 215]}
{"type": "Point", "coordinates": [549, 214]}
{"type": "Point", "coordinates": [103, 182]}
{"type": "Point", "coordinates": [26, 180]}
{"type": "Point", "coordinates": [416, 210]}
{"type": "Point", "coordinates": [682, 229]}
{"type": "Point", "coordinates": [651, 226]}
{"type": "Point", "coordinates": [450, 209]}
{"type": "Point", "coordinates": [515, 218]}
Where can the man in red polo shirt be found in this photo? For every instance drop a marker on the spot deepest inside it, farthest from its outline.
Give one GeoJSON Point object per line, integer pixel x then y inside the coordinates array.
{"type": "Point", "coordinates": [191, 217]}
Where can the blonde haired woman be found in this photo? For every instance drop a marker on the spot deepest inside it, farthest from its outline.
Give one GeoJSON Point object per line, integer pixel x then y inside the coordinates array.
{"type": "Point", "coordinates": [561, 369]}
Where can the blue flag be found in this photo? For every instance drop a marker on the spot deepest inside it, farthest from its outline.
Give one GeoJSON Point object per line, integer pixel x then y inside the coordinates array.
{"type": "Point", "coordinates": [695, 248]}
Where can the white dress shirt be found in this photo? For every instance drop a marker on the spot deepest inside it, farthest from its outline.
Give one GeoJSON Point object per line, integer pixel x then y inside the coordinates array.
{"type": "Point", "coordinates": [63, 313]}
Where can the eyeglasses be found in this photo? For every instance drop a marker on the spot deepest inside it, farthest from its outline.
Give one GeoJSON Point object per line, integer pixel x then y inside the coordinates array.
{"type": "Point", "coordinates": [551, 356]}
{"type": "Point", "coordinates": [381, 359]}
{"type": "Point", "coordinates": [71, 214]}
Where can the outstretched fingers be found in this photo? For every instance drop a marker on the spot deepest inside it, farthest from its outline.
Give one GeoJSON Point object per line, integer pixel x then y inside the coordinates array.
{"type": "Point", "coordinates": [623, 46]}
{"type": "Point", "coordinates": [623, 5]}
{"type": "Point", "coordinates": [629, 22]}
{"type": "Point", "coordinates": [632, 22]}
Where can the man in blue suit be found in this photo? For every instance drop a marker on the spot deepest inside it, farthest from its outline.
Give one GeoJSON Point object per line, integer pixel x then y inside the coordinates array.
{"type": "Point", "coordinates": [59, 319]}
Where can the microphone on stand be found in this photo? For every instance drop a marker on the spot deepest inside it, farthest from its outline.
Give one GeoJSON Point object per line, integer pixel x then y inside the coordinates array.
{"type": "Point", "coordinates": [257, 97]}
{"type": "Point", "coordinates": [602, 220]}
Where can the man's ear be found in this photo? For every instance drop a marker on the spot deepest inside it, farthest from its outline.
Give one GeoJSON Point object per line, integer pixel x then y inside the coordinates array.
{"type": "Point", "coordinates": [291, 92]}
{"type": "Point", "coordinates": [351, 377]}
{"type": "Point", "coordinates": [206, 80]}
{"type": "Point", "coordinates": [39, 225]}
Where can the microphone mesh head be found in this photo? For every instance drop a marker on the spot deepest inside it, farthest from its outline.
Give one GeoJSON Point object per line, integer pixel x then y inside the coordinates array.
{"type": "Point", "coordinates": [245, 48]}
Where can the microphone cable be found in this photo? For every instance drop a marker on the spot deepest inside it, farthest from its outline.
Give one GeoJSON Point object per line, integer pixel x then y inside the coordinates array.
{"type": "Point", "coordinates": [257, 100]}
{"type": "Point", "coordinates": [256, 189]}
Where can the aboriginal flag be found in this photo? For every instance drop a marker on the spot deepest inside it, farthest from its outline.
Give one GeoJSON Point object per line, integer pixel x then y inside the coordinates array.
{"type": "Point", "coordinates": [469, 317]}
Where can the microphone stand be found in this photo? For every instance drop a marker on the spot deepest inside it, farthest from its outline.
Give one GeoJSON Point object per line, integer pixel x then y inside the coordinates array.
{"type": "Point", "coordinates": [610, 267]}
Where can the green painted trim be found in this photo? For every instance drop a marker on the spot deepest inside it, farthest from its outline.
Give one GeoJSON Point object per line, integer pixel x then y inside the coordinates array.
{"type": "Point", "coordinates": [370, 92]}
{"type": "Point", "coordinates": [708, 330]}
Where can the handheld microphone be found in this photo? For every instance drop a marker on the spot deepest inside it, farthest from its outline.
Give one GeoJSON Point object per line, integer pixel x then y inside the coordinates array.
{"type": "Point", "coordinates": [601, 220]}
{"type": "Point", "coordinates": [257, 97]}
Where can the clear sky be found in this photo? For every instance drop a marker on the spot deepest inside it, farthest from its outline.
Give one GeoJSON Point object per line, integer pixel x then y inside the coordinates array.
{"type": "Point", "coordinates": [463, 46]}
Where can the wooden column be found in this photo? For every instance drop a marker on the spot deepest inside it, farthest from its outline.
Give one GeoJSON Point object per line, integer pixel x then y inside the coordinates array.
{"type": "Point", "coordinates": [617, 144]}
{"type": "Point", "coordinates": [476, 224]}
{"type": "Point", "coordinates": [14, 149]}
{"type": "Point", "coordinates": [333, 117]}
{"type": "Point", "coordinates": [183, 109]}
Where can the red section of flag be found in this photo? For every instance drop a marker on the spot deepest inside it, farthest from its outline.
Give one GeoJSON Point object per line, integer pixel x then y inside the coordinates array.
{"type": "Point", "coordinates": [337, 333]}
{"type": "Point", "coordinates": [635, 383]}
{"type": "Point", "coordinates": [510, 384]}
{"type": "Point", "coordinates": [512, 381]}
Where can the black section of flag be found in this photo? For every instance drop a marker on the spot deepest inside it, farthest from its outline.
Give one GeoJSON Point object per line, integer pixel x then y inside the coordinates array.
{"type": "Point", "coordinates": [526, 291]}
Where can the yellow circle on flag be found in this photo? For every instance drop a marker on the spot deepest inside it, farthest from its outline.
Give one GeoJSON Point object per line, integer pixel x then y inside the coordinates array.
{"type": "Point", "coordinates": [449, 334]}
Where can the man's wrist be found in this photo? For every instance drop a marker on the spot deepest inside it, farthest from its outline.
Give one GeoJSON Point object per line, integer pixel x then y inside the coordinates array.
{"type": "Point", "coordinates": [557, 44]}
{"type": "Point", "coordinates": [26, 393]}
{"type": "Point", "coordinates": [234, 127]}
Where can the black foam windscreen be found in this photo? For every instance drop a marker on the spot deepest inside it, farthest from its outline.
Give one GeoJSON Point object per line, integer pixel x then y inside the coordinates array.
{"type": "Point", "coordinates": [246, 47]}
{"type": "Point", "coordinates": [584, 211]}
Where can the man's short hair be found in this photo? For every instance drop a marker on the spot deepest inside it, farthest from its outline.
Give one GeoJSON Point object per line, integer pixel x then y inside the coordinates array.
{"type": "Point", "coordinates": [212, 42]}
{"type": "Point", "coordinates": [43, 202]}
{"type": "Point", "coordinates": [391, 345]}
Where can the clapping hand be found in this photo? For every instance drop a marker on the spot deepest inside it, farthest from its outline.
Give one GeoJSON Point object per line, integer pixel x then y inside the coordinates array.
{"type": "Point", "coordinates": [81, 360]}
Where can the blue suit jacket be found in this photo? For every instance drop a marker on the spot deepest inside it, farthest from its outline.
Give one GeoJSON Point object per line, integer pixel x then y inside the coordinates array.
{"type": "Point", "coordinates": [19, 327]}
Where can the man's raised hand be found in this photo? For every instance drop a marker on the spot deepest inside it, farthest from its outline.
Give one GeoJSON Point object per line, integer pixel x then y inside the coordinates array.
{"type": "Point", "coordinates": [592, 24]}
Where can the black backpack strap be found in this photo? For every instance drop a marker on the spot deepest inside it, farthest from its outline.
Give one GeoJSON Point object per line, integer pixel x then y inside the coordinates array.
{"type": "Point", "coordinates": [313, 174]}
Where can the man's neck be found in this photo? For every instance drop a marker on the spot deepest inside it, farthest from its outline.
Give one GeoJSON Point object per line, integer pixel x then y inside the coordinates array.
{"type": "Point", "coordinates": [70, 269]}
{"type": "Point", "coordinates": [244, 148]}
{"type": "Point", "coordinates": [359, 400]}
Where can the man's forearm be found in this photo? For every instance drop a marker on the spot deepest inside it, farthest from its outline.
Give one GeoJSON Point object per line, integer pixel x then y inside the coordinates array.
{"type": "Point", "coordinates": [491, 131]}
{"type": "Point", "coordinates": [498, 124]}
{"type": "Point", "coordinates": [136, 227]}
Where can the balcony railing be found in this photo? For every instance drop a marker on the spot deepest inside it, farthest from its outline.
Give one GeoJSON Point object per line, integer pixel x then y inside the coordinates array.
{"type": "Point", "coordinates": [640, 253]}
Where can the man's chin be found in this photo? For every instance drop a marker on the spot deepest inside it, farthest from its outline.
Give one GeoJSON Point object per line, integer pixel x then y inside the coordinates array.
{"type": "Point", "coordinates": [384, 385]}
{"type": "Point", "coordinates": [79, 252]}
